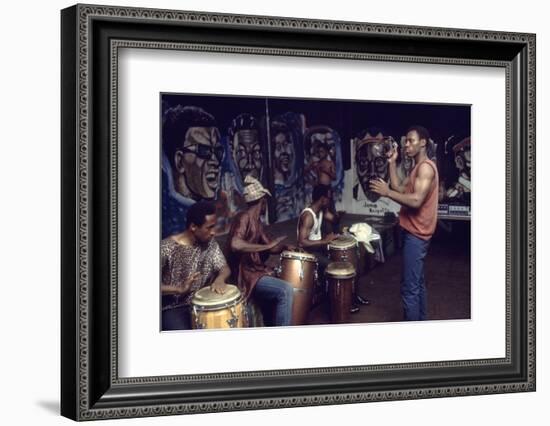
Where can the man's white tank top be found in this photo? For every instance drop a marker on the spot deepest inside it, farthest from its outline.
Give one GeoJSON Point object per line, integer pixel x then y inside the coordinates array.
{"type": "Point", "coordinates": [315, 233]}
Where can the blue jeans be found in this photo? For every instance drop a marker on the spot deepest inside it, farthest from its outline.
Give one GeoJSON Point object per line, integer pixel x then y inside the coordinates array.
{"type": "Point", "coordinates": [272, 290]}
{"type": "Point", "coordinates": [176, 319]}
{"type": "Point", "coordinates": [413, 286]}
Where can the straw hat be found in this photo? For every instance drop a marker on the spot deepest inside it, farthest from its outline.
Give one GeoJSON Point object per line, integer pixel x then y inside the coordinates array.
{"type": "Point", "coordinates": [253, 189]}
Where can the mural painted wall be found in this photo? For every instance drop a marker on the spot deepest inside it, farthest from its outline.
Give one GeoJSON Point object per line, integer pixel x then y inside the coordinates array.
{"type": "Point", "coordinates": [210, 143]}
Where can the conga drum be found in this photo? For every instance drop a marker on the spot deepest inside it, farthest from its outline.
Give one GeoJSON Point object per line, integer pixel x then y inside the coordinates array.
{"type": "Point", "coordinates": [300, 270]}
{"type": "Point", "coordinates": [343, 249]}
{"type": "Point", "coordinates": [340, 277]}
{"type": "Point", "coordinates": [213, 310]}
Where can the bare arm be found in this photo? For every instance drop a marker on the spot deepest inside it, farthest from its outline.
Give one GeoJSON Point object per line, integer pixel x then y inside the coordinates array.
{"type": "Point", "coordinates": [305, 225]}
{"type": "Point", "coordinates": [278, 247]}
{"type": "Point", "coordinates": [184, 288]}
{"type": "Point", "coordinates": [240, 245]}
{"type": "Point", "coordinates": [415, 199]}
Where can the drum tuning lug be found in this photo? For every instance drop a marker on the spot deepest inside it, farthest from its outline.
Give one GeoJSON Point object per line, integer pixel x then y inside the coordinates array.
{"type": "Point", "coordinates": [234, 320]}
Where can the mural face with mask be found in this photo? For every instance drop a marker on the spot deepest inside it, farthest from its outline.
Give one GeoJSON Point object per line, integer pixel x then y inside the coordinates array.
{"type": "Point", "coordinates": [371, 148]}
{"type": "Point", "coordinates": [245, 146]}
{"type": "Point", "coordinates": [192, 143]}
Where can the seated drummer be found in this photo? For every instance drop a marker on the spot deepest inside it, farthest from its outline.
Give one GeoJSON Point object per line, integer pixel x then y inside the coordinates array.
{"type": "Point", "coordinates": [248, 246]}
{"type": "Point", "coordinates": [189, 261]}
{"type": "Point", "coordinates": [310, 238]}
{"type": "Point", "coordinates": [310, 224]}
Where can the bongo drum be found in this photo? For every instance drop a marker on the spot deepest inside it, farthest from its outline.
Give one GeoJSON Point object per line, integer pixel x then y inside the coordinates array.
{"type": "Point", "coordinates": [340, 277]}
{"type": "Point", "coordinates": [300, 270]}
{"type": "Point", "coordinates": [213, 310]}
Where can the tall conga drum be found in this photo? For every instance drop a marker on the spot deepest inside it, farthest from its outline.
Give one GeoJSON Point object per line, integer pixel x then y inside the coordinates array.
{"type": "Point", "coordinates": [345, 249]}
{"type": "Point", "coordinates": [213, 310]}
{"type": "Point", "coordinates": [340, 277]}
{"type": "Point", "coordinates": [300, 270]}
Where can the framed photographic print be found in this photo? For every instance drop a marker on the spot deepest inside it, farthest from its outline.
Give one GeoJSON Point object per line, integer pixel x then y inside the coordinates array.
{"type": "Point", "coordinates": [263, 212]}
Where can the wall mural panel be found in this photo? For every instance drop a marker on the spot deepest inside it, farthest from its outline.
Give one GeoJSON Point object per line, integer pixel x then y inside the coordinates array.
{"type": "Point", "coordinates": [210, 143]}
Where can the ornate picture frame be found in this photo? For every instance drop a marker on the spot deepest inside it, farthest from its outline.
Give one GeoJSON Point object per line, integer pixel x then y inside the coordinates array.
{"type": "Point", "coordinates": [91, 38]}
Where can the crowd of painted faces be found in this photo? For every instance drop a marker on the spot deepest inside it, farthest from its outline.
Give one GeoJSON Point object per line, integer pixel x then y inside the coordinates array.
{"type": "Point", "coordinates": [193, 155]}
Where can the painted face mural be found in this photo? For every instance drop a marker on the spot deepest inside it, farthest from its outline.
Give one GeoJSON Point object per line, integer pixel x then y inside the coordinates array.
{"type": "Point", "coordinates": [323, 159]}
{"type": "Point", "coordinates": [460, 190]}
{"type": "Point", "coordinates": [245, 146]}
{"type": "Point", "coordinates": [286, 137]}
{"type": "Point", "coordinates": [202, 155]}
{"type": "Point", "coordinates": [283, 153]}
{"type": "Point", "coordinates": [191, 142]}
{"type": "Point", "coordinates": [463, 157]}
{"type": "Point", "coordinates": [371, 148]}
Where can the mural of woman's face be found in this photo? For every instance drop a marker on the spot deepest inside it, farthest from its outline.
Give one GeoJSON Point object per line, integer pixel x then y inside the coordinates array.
{"type": "Point", "coordinates": [199, 161]}
{"type": "Point", "coordinates": [248, 153]}
{"type": "Point", "coordinates": [371, 163]}
{"type": "Point", "coordinates": [283, 153]}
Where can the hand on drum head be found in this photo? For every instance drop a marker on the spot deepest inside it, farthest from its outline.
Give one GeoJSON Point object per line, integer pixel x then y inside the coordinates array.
{"type": "Point", "coordinates": [330, 237]}
{"type": "Point", "coordinates": [218, 287]}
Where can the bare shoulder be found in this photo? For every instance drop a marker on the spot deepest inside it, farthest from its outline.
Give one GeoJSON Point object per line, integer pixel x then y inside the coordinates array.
{"type": "Point", "coordinates": [306, 219]}
{"type": "Point", "coordinates": [426, 171]}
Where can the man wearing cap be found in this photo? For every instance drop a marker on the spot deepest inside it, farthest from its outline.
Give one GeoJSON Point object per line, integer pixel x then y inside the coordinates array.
{"type": "Point", "coordinates": [247, 244]}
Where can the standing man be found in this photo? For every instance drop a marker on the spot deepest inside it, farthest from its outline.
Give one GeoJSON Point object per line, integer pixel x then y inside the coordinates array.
{"type": "Point", "coordinates": [189, 261]}
{"type": "Point", "coordinates": [418, 196]}
{"type": "Point", "coordinates": [247, 248]}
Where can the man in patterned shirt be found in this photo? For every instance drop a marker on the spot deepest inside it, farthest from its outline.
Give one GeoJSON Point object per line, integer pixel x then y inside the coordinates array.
{"type": "Point", "coordinates": [189, 261]}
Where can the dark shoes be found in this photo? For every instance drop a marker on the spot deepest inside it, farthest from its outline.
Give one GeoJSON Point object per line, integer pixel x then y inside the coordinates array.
{"type": "Point", "coordinates": [361, 300]}
{"type": "Point", "coordinates": [354, 309]}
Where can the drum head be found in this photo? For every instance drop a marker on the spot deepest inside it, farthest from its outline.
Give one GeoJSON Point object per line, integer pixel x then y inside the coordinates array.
{"type": "Point", "coordinates": [210, 299]}
{"type": "Point", "coordinates": [298, 255]}
{"type": "Point", "coordinates": [340, 270]}
{"type": "Point", "coordinates": [343, 242]}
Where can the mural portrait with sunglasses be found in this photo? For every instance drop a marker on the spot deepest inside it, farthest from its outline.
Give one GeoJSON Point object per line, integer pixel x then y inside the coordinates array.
{"type": "Point", "coordinates": [191, 142]}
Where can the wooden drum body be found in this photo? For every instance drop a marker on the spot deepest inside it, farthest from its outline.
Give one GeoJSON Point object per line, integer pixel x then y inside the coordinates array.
{"type": "Point", "coordinates": [300, 270]}
{"type": "Point", "coordinates": [213, 310]}
{"type": "Point", "coordinates": [340, 277]}
{"type": "Point", "coordinates": [343, 249]}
